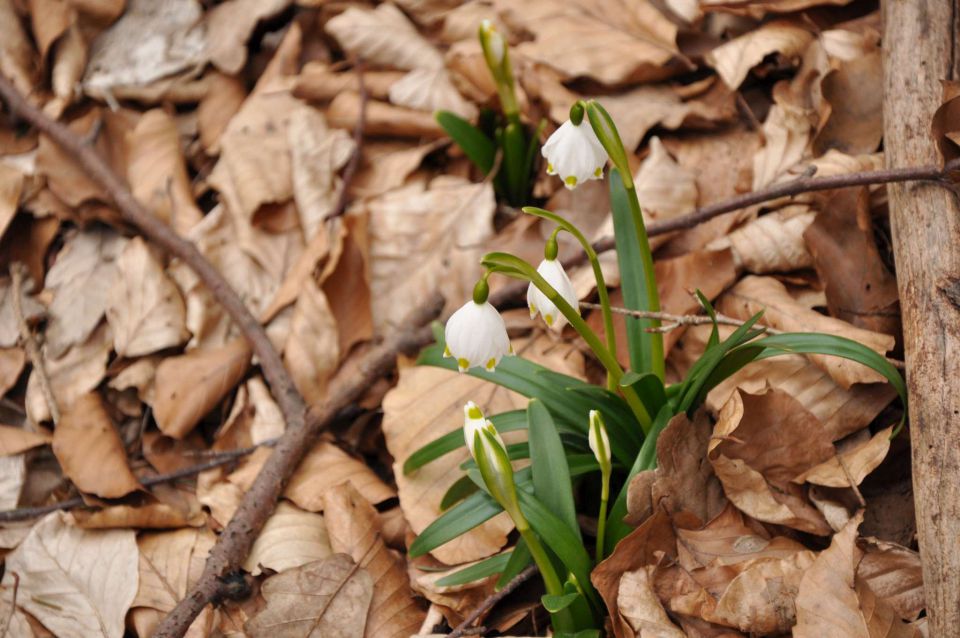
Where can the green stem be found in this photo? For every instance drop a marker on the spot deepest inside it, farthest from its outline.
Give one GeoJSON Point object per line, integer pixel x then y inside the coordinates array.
{"type": "Point", "coordinates": [602, 520]}
{"type": "Point", "coordinates": [562, 620]}
{"type": "Point", "coordinates": [653, 295]}
{"type": "Point", "coordinates": [597, 275]}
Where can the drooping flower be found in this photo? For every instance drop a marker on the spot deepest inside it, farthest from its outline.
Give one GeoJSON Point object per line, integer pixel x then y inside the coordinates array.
{"type": "Point", "coordinates": [574, 153]}
{"type": "Point", "coordinates": [556, 276]}
{"type": "Point", "coordinates": [598, 440]}
{"type": "Point", "coordinates": [477, 336]}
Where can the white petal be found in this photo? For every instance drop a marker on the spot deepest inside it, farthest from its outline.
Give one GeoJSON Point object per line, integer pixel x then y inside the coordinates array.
{"type": "Point", "coordinates": [477, 336]}
{"type": "Point", "coordinates": [556, 276]}
{"type": "Point", "coordinates": [575, 154]}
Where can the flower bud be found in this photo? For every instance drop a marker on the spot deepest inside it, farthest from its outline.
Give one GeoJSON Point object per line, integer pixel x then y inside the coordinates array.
{"type": "Point", "coordinates": [599, 441]}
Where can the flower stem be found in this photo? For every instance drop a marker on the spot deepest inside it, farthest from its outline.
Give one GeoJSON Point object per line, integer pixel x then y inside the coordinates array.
{"type": "Point", "coordinates": [602, 520]}
{"type": "Point", "coordinates": [562, 620]}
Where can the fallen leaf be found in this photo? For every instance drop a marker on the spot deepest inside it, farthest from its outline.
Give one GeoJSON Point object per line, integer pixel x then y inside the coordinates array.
{"type": "Point", "coordinates": [381, 118]}
{"type": "Point", "coordinates": [854, 93]}
{"type": "Point", "coordinates": [189, 386]}
{"type": "Point", "coordinates": [230, 24]}
{"type": "Point", "coordinates": [326, 466]}
{"type": "Point", "coordinates": [77, 583]}
{"type": "Point", "coordinates": [771, 243]}
{"type": "Point", "coordinates": [894, 573]}
{"type": "Point", "coordinates": [321, 82]}
{"type": "Point", "coordinates": [734, 59]}
{"type": "Point", "coordinates": [387, 165]}
{"type": "Point", "coordinates": [11, 479]}
{"type": "Point", "coordinates": [149, 516]}
{"type": "Point", "coordinates": [11, 185]}
{"type": "Point", "coordinates": [352, 526]}
{"type": "Point", "coordinates": [157, 173]}
{"type": "Point", "coordinates": [384, 36]}
{"type": "Point", "coordinates": [169, 563]}
{"type": "Point", "coordinates": [9, 326]}
{"type": "Point", "coordinates": [311, 351]}
{"type": "Point", "coordinates": [858, 461]}
{"type": "Point", "coordinates": [640, 608]}
{"type": "Point", "coordinates": [217, 107]}
{"type": "Point", "coordinates": [144, 308]}
{"type": "Point", "coordinates": [17, 56]}
{"type": "Point", "coordinates": [324, 599]}
{"type": "Point", "coordinates": [90, 451]}
{"type": "Point", "coordinates": [664, 188]}
{"type": "Point", "coordinates": [430, 89]}
{"type": "Point", "coordinates": [833, 602]}
{"type": "Point", "coordinates": [15, 440]}
{"type": "Point", "coordinates": [80, 282]}
{"type": "Point", "coordinates": [782, 312]}
{"type": "Point", "coordinates": [759, 8]}
{"type": "Point", "coordinates": [289, 539]}
{"type": "Point", "coordinates": [12, 361]}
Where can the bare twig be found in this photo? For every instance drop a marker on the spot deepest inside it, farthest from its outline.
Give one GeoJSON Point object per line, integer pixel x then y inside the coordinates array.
{"type": "Point", "coordinates": [17, 274]}
{"type": "Point", "coordinates": [490, 601]}
{"type": "Point", "coordinates": [354, 163]}
{"type": "Point", "coordinates": [851, 481]}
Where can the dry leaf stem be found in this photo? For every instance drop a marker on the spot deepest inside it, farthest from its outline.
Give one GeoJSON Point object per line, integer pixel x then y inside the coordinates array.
{"type": "Point", "coordinates": [490, 601]}
{"type": "Point", "coordinates": [30, 344]}
{"type": "Point", "coordinates": [354, 162]}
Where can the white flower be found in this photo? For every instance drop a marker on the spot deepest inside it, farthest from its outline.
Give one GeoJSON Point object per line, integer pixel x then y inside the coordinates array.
{"type": "Point", "coordinates": [476, 336]}
{"type": "Point", "coordinates": [556, 276]}
{"type": "Point", "coordinates": [574, 153]}
{"type": "Point", "coordinates": [598, 439]}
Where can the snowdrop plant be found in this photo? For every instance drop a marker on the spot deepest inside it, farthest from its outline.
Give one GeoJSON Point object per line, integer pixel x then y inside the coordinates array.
{"type": "Point", "coordinates": [501, 145]}
{"type": "Point", "coordinates": [580, 439]}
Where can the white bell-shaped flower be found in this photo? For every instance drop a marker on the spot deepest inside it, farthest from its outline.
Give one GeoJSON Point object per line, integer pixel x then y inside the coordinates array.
{"type": "Point", "coordinates": [574, 153]}
{"type": "Point", "coordinates": [473, 422]}
{"type": "Point", "coordinates": [556, 276]}
{"type": "Point", "coordinates": [477, 337]}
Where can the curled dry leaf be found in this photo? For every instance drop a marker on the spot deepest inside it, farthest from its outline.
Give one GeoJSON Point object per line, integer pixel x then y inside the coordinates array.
{"type": "Point", "coordinates": [759, 8]}
{"type": "Point", "coordinates": [853, 463]}
{"type": "Point", "coordinates": [144, 308]}
{"type": "Point", "coordinates": [77, 583]}
{"type": "Point", "coordinates": [311, 351]}
{"type": "Point", "coordinates": [11, 186]}
{"type": "Point", "coordinates": [782, 312]}
{"type": "Point", "coordinates": [217, 107]}
{"type": "Point", "coordinates": [832, 601]}
{"type": "Point", "coordinates": [352, 526]}
{"type": "Point", "coordinates": [894, 573]}
{"type": "Point", "coordinates": [759, 444]}
{"type": "Point", "coordinates": [80, 282]}
{"type": "Point", "coordinates": [384, 36]}
{"type": "Point", "coordinates": [169, 563]}
{"type": "Point", "coordinates": [771, 243]}
{"type": "Point", "coordinates": [853, 94]}
{"type": "Point", "coordinates": [326, 466]}
{"type": "Point", "coordinates": [12, 361]}
{"type": "Point", "coordinates": [149, 516]}
{"type": "Point", "coordinates": [9, 326]}
{"type": "Point", "coordinates": [640, 608]}
{"type": "Point", "coordinates": [324, 599]}
{"type": "Point", "coordinates": [17, 56]}
{"type": "Point", "coordinates": [734, 59]}
{"type": "Point", "coordinates": [290, 538]}
{"type": "Point", "coordinates": [229, 26]}
{"type": "Point", "coordinates": [382, 118]}
{"type": "Point", "coordinates": [90, 451]}
{"type": "Point", "coordinates": [664, 188]}
{"type": "Point", "coordinates": [12, 476]}
{"type": "Point", "coordinates": [189, 386]}
{"type": "Point", "coordinates": [15, 440]}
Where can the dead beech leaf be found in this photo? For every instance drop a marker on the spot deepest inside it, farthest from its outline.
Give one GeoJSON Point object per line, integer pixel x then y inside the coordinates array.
{"type": "Point", "coordinates": [15, 440]}
{"type": "Point", "coordinates": [12, 477]}
{"type": "Point", "coordinates": [734, 59]}
{"type": "Point", "coordinates": [189, 386]}
{"type": "Point", "coordinates": [384, 36]}
{"type": "Point", "coordinates": [80, 281]}
{"type": "Point", "coordinates": [169, 563]}
{"type": "Point", "coordinates": [144, 308]}
{"type": "Point", "coordinates": [382, 118]}
{"type": "Point", "coordinates": [217, 107]}
{"type": "Point", "coordinates": [422, 240]}
{"type": "Point", "coordinates": [352, 526]}
{"type": "Point", "coordinates": [229, 26]}
{"type": "Point", "coordinates": [664, 188]}
{"type": "Point", "coordinates": [894, 573]}
{"type": "Point", "coordinates": [9, 327]}
{"type": "Point", "coordinates": [326, 466]}
{"type": "Point", "coordinates": [12, 361]}
{"type": "Point", "coordinates": [771, 243]}
{"type": "Point", "coordinates": [324, 599]}
{"type": "Point", "coordinates": [759, 8]}
{"type": "Point", "coordinates": [853, 91]}
{"type": "Point", "coordinates": [157, 173]}
{"type": "Point", "coordinates": [11, 185]}
{"type": "Point", "coordinates": [430, 89]}
{"type": "Point", "coordinates": [90, 451]}
{"type": "Point", "coordinates": [639, 42]}
{"type": "Point", "coordinates": [859, 461]}
{"type": "Point", "coordinates": [13, 622]}
{"type": "Point", "coordinates": [311, 351]}
{"type": "Point", "coordinates": [17, 56]}
{"type": "Point", "coordinates": [754, 294]}
{"type": "Point", "coordinates": [74, 374]}
{"type": "Point", "coordinates": [640, 608]}
{"type": "Point", "coordinates": [149, 516]}
{"type": "Point", "coordinates": [77, 583]}
{"type": "Point", "coordinates": [832, 601]}
{"type": "Point", "coordinates": [760, 442]}
{"type": "Point", "coordinates": [290, 538]}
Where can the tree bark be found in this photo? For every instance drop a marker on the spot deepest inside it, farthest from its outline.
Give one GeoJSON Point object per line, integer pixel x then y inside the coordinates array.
{"type": "Point", "coordinates": [920, 50]}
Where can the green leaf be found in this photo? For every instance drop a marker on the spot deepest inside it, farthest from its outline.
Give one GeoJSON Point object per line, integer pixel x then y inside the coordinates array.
{"type": "Point", "coordinates": [514, 162]}
{"type": "Point", "coordinates": [461, 489]}
{"type": "Point", "coordinates": [548, 463]}
{"type": "Point", "coordinates": [474, 510]}
{"type": "Point", "coordinates": [633, 283]}
{"type": "Point", "coordinates": [553, 604]}
{"type": "Point", "coordinates": [487, 567]}
{"type": "Point", "coordinates": [648, 387]}
{"type": "Point", "coordinates": [504, 422]}
{"type": "Point", "coordinates": [478, 147]}
{"type": "Point", "coordinates": [519, 559]}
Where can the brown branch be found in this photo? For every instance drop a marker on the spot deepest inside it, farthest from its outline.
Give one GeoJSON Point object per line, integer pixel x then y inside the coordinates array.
{"type": "Point", "coordinates": [490, 601]}
{"type": "Point", "coordinates": [30, 344]}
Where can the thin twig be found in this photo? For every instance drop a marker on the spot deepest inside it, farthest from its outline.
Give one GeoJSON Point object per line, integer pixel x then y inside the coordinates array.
{"type": "Point", "coordinates": [490, 601]}
{"type": "Point", "coordinates": [354, 163]}
{"type": "Point", "coordinates": [853, 483]}
{"type": "Point", "coordinates": [29, 343]}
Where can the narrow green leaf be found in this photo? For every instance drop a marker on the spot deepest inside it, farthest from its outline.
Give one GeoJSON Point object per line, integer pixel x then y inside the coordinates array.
{"type": "Point", "coordinates": [553, 604]}
{"type": "Point", "coordinates": [487, 567]}
{"type": "Point", "coordinates": [461, 489]}
{"type": "Point", "coordinates": [505, 422]}
{"type": "Point", "coordinates": [648, 387]}
{"type": "Point", "coordinates": [519, 559]}
{"type": "Point", "coordinates": [514, 162]}
{"type": "Point", "coordinates": [548, 463]}
{"type": "Point", "coordinates": [478, 147]}
{"type": "Point", "coordinates": [474, 510]}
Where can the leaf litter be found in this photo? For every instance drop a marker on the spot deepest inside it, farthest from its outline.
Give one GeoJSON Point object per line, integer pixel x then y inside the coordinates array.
{"type": "Point", "coordinates": [234, 125]}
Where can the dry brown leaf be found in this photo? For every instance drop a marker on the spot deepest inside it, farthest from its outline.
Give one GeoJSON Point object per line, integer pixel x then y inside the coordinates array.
{"type": "Point", "coordinates": [430, 89]}
{"type": "Point", "coordinates": [853, 92]}
{"type": "Point", "coordinates": [319, 82]}
{"type": "Point", "coordinates": [77, 583]}
{"type": "Point", "coordinates": [11, 185]}
{"type": "Point", "coordinates": [639, 43]}
{"type": "Point", "coordinates": [455, 601]}
{"type": "Point", "coordinates": [386, 165]}
{"type": "Point", "coordinates": [759, 8]}
{"type": "Point", "coordinates": [640, 608]}
{"type": "Point", "coordinates": [759, 444]}
{"type": "Point", "coordinates": [12, 477]}
{"type": "Point", "coordinates": [664, 188]}
{"type": "Point", "coordinates": [13, 622]}
{"type": "Point", "coordinates": [17, 56]}
{"type": "Point", "coordinates": [71, 376]}
{"type": "Point", "coordinates": [384, 36]}
{"type": "Point", "coordinates": [90, 451]}
{"type": "Point", "coordinates": [230, 24]}
{"type": "Point", "coordinates": [323, 599]}
{"type": "Point", "coordinates": [12, 361]}
{"type": "Point", "coordinates": [217, 107]}
{"type": "Point", "coordinates": [169, 562]}
{"type": "Point", "coordinates": [311, 351]}
{"type": "Point", "coordinates": [157, 173]}
{"type": "Point", "coordinates": [425, 240]}
{"type": "Point", "coordinates": [80, 282]}
{"type": "Point", "coordinates": [290, 538]}
{"type": "Point", "coordinates": [15, 440]}
{"type": "Point", "coordinates": [326, 466]}
{"type": "Point", "coordinates": [855, 462]}
{"type": "Point", "coordinates": [168, 34]}
{"type": "Point", "coordinates": [189, 386]}
{"type": "Point", "coordinates": [782, 312]}
{"type": "Point", "coordinates": [149, 516]}
{"type": "Point", "coordinates": [9, 326]}
{"type": "Point", "coordinates": [382, 118]}
{"type": "Point", "coordinates": [894, 573]}
{"type": "Point", "coordinates": [831, 601]}
{"type": "Point", "coordinates": [352, 526]}
{"type": "Point", "coordinates": [734, 59]}
{"type": "Point", "coordinates": [144, 308]}
{"type": "Point", "coordinates": [771, 243]}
